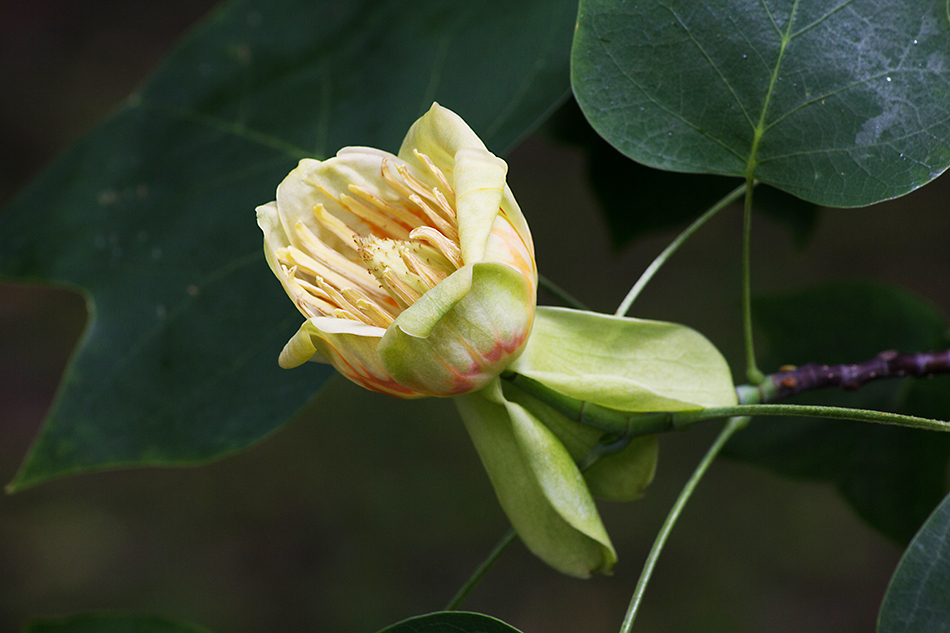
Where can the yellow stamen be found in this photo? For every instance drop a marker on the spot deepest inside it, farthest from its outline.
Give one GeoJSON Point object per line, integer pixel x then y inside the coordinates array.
{"type": "Point", "coordinates": [374, 217]}
{"type": "Point", "coordinates": [293, 256]}
{"type": "Point", "coordinates": [336, 226]}
{"type": "Point", "coordinates": [402, 292]}
{"type": "Point", "coordinates": [335, 261]}
{"type": "Point", "coordinates": [375, 314]}
{"type": "Point", "coordinates": [445, 206]}
{"type": "Point", "coordinates": [429, 275]}
{"type": "Point", "coordinates": [435, 171]}
{"type": "Point", "coordinates": [421, 190]}
{"type": "Point", "coordinates": [402, 215]}
{"type": "Point", "coordinates": [439, 242]}
{"type": "Point", "coordinates": [440, 223]}
{"type": "Point", "coordinates": [344, 314]}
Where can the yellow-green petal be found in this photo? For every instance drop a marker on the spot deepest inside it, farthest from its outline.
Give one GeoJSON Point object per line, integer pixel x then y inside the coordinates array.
{"type": "Point", "coordinates": [462, 333]}
{"type": "Point", "coordinates": [439, 134]}
{"type": "Point", "coordinates": [479, 184]}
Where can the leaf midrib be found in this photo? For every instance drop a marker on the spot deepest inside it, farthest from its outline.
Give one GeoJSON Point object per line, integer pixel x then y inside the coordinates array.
{"type": "Point", "coordinates": [760, 128]}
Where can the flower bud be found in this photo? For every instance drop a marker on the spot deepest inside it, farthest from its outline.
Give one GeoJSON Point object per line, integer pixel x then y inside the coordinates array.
{"type": "Point", "coordinates": [415, 272]}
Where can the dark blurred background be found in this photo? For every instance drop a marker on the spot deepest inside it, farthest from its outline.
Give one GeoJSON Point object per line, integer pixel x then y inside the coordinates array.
{"type": "Point", "coordinates": [362, 511]}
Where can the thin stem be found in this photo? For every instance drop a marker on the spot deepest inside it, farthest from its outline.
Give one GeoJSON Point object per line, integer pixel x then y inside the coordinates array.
{"type": "Point", "coordinates": [479, 573]}
{"type": "Point", "coordinates": [684, 419]}
{"type": "Point", "coordinates": [752, 370]}
{"type": "Point", "coordinates": [651, 270]}
{"type": "Point", "coordinates": [733, 425]}
{"type": "Point", "coordinates": [560, 293]}
{"type": "Point", "coordinates": [633, 424]}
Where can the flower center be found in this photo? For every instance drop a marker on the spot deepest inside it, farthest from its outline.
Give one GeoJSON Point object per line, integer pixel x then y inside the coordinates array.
{"type": "Point", "coordinates": [400, 241]}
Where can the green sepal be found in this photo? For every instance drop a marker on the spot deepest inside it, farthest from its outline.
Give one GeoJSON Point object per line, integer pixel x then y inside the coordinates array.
{"type": "Point", "coordinates": [625, 364]}
{"type": "Point", "coordinates": [620, 476]}
{"type": "Point", "coordinates": [538, 484]}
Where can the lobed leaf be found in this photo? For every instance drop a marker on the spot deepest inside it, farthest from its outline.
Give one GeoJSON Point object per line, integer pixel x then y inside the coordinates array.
{"type": "Point", "coordinates": [152, 215]}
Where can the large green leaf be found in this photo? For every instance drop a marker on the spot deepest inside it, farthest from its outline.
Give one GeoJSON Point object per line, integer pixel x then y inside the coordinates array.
{"type": "Point", "coordinates": [841, 102]}
{"type": "Point", "coordinates": [451, 622]}
{"type": "Point", "coordinates": [111, 623]}
{"type": "Point", "coordinates": [892, 476]}
{"type": "Point", "coordinates": [916, 599]}
{"type": "Point", "coordinates": [153, 214]}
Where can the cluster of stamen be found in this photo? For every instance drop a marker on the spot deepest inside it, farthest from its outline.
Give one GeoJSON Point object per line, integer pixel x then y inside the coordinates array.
{"type": "Point", "coordinates": [404, 248]}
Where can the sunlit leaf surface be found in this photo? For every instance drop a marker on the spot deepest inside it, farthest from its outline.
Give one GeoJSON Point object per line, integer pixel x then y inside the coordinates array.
{"type": "Point", "coordinates": [840, 102]}
{"type": "Point", "coordinates": [153, 214]}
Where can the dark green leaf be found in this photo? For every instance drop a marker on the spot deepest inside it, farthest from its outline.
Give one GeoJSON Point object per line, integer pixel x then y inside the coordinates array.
{"type": "Point", "coordinates": [451, 622]}
{"type": "Point", "coordinates": [893, 477]}
{"type": "Point", "coordinates": [840, 102]}
{"type": "Point", "coordinates": [153, 213]}
{"type": "Point", "coordinates": [636, 199]}
{"type": "Point", "coordinates": [916, 599]}
{"type": "Point", "coordinates": [110, 623]}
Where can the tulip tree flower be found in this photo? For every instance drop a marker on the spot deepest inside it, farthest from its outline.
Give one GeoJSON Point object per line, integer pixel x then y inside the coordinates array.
{"type": "Point", "coordinates": [415, 272]}
{"type": "Point", "coordinates": [416, 276]}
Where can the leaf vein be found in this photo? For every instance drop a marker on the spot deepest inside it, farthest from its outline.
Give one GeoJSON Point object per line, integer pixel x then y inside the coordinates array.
{"type": "Point", "coordinates": [712, 64]}
{"type": "Point", "coordinates": [821, 19]}
{"type": "Point", "coordinates": [235, 129]}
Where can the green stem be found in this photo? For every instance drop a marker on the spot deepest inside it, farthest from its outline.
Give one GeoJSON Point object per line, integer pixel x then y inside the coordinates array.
{"type": "Point", "coordinates": [560, 293]}
{"type": "Point", "coordinates": [752, 370]}
{"type": "Point", "coordinates": [733, 425]}
{"type": "Point", "coordinates": [632, 424]}
{"type": "Point", "coordinates": [683, 419]}
{"type": "Point", "coordinates": [479, 573]}
{"type": "Point", "coordinates": [651, 270]}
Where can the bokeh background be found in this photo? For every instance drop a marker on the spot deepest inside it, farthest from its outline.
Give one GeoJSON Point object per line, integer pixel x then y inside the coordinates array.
{"type": "Point", "coordinates": [364, 511]}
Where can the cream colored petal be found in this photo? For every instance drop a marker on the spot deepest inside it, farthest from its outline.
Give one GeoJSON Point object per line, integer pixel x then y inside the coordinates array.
{"type": "Point", "coordinates": [276, 238]}
{"type": "Point", "coordinates": [505, 245]}
{"type": "Point", "coordinates": [439, 134]}
{"type": "Point", "coordinates": [296, 199]}
{"type": "Point", "coordinates": [511, 210]}
{"type": "Point", "coordinates": [479, 182]}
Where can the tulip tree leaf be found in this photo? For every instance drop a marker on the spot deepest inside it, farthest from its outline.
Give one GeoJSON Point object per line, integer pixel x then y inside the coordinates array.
{"type": "Point", "coordinates": [152, 215]}
{"type": "Point", "coordinates": [840, 102]}
{"type": "Point", "coordinates": [111, 623]}
{"type": "Point", "coordinates": [451, 622]}
{"type": "Point", "coordinates": [916, 599]}
{"type": "Point", "coordinates": [892, 476]}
